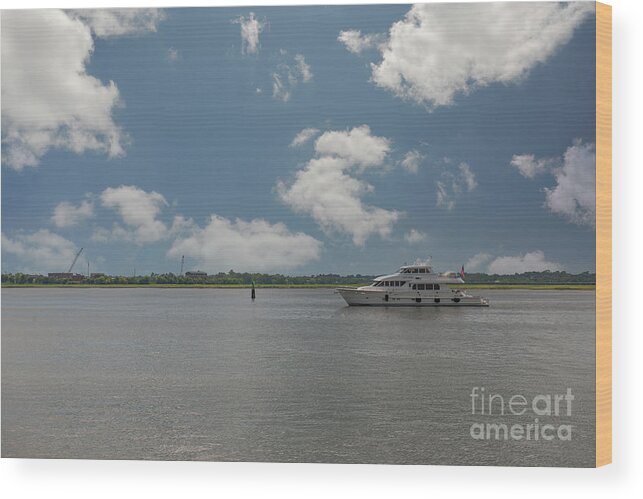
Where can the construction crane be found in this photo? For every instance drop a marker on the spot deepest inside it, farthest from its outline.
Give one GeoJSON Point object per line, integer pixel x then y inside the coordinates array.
{"type": "Point", "coordinates": [75, 259]}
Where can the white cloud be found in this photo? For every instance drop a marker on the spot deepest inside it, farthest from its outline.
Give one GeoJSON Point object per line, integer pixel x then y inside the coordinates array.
{"type": "Point", "coordinates": [139, 210]}
{"type": "Point", "coordinates": [279, 89]}
{"type": "Point", "coordinates": [440, 50]}
{"type": "Point", "coordinates": [251, 27]}
{"type": "Point", "coordinates": [529, 262]}
{"type": "Point", "coordinates": [257, 246]}
{"type": "Point", "coordinates": [477, 262]}
{"type": "Point", "coordinates": [288, 75]}
{"type": "Point", "coordinates": [68, 215]}
{"type": "Point", "coordinates": [118, 22]}
{"type": "Point", "coordinates": [411, 161]}
{"type": "Point", "coordinates": [42, 250]}
{"type": "Point", "coordinates": [574, 196]}
{"type": "Point", "coordinates": [326, 190]}
{"type": "Point", "coordinates": [356, 42]}
{"type": "Point", "coordinates": [467, 176]}
{"type": "Point", "coordinates": [303, 68]}
{"type": "Point", "coordinates": [304, 136]}
{"type": "Point", "coordinates": [529, 166]}
{"type": "Point", "coordinates": [357, 146]}
{"type": "Point", "coordinates": [414, 236]}
{"type": "Point", "coordinates": [48, 98]}
{"type": "Point", "coordinates": [453, 184]}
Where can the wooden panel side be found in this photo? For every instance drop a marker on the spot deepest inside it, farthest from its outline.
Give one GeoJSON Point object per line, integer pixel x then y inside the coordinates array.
{"type": "Point", "coordinates": [603, 234]}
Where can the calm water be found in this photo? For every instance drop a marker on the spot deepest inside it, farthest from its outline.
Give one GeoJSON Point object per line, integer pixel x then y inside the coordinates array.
{"type": "Point", "coordinates": [195, 374]}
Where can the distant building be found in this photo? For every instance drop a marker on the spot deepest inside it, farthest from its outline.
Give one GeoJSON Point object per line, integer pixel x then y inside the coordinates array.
{"type": "Point", "coordinates": [66, 275]}
{"type": "Point", "coordinates": [97, 274]}
{"type": "Point", "coordinates": [196, 274]}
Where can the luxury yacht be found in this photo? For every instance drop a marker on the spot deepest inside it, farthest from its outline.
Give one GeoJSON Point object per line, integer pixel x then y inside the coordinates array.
{"type": "Point", "coordinates": [414, 286]}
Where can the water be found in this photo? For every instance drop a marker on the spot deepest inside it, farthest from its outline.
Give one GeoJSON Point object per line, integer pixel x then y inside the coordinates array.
{"type": "Point", "coordinates": [205, 374]}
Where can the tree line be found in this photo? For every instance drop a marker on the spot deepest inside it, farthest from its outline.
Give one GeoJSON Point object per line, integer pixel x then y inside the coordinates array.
{"type": "Point", "coordinates": [247, 279]}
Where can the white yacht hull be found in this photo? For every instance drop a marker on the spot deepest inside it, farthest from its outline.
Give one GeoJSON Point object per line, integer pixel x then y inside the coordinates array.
{"type": "Point", "coordinates": [380, 298]}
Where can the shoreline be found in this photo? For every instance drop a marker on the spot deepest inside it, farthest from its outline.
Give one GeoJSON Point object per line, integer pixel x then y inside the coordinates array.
{"type": "Point", "coordinates": [538, 287]}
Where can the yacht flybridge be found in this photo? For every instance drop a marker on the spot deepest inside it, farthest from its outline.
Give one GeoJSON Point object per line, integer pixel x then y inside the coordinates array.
{"type": "Point", "coordinates": [414, 286]}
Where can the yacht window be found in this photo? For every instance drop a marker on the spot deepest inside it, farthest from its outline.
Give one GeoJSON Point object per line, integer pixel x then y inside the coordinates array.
{"type": "Point", "coordinates": [429, 286]}
{"type": "Point", "coordinates": [413, 286]}
{"type": "Point", "coordinates": [402, 283]}
{"type": "Point", "coordinates": [437, 287]}
{"type": "Point", "coordinates": [421, 287]}
{"type": "Point", "coordinates": [416, 271]}
{"type": "Point", "coordinates": [422, 271]}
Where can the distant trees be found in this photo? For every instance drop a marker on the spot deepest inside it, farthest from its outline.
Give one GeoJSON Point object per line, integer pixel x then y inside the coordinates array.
{"type": "Point", "coordinates": [544, 277]}
{"type": "Point", "coordinates": [246, 279]}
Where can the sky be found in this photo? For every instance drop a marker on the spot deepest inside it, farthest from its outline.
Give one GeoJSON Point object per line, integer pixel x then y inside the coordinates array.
{"type": "Point", "coordinates": [300, 140]}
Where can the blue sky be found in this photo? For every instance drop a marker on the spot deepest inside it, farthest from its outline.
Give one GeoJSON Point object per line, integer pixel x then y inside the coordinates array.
{"type": "Point", "coordinates": [434, 130]}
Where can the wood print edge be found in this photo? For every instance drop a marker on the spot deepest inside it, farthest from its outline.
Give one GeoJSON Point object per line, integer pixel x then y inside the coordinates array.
{"type": "Point", "coordinates": [603, 234]}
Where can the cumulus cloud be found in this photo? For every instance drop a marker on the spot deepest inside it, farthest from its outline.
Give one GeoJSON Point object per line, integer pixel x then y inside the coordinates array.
{"type": "Point", "coordinates": [452, 184]}
{"type": "Point", "coordinates": [304, 136]}
{"type": "Point", "coordinates": [106, 23]}
{"type": "Point", "coordinates": [257, 245]}
{"type": "Point", "coordinates": [43, 251]}
{"type": "Point", "coordinates": [411, 161]}
{"type": "Point", "coordinates": [529, 262]}
{"type": "Point", "coordinates": [414, 236]}
{"type": "Point", "coordinates": [327, 189]}
{"type": "Point", "coordinates": [356, 43]}
{"type": "Point", "coordinates": [139, 211]}
{"type": "Point", "coordinates": [574, 195]}
{"type": "Point", "coordinates": [288, 75]}
{"type": "Point", "coordinates": [251, 27]}
{"type": "Point", "coordinates": [357, 146]}
{"type": "Point", "coordinates": [68, 215]}
{"type": "Point", "coordinates": [48, 98]}
{"type": "Point", "coordinates": [478, 261]}
{"type": "Point", "coordinates": [440, 50]}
